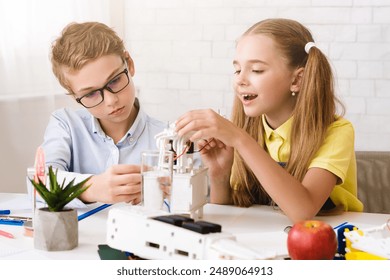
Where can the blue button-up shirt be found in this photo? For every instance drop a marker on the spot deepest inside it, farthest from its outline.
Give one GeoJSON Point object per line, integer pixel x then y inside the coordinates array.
{"type": "Point", "coordinates": [74, 141]}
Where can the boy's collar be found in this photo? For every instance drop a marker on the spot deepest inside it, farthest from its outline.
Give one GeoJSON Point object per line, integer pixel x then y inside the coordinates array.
{"type": "Point", "coordinates": [133, 130]}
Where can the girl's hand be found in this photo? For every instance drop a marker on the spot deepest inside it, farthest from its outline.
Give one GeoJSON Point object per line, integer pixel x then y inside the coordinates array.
{"type": "Point", "coordinates": [216, 156]}
{"type": "Point", "coordinates": [216, 151]}
{"type": "Point", "coordinates": [207, 124]}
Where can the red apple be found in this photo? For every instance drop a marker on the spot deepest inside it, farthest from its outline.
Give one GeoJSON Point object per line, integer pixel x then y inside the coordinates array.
{"type": "Point", "coordinates": [311, 240]}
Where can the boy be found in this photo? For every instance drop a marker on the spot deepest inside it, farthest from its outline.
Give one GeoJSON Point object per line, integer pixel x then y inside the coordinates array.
{"type": "Point", "coordinates": [105, 138]}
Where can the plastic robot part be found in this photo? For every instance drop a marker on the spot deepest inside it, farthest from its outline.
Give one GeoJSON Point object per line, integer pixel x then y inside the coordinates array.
{"type": "Point", "coordinates": [370, 243]}
{"type": "Point", "coordinates": [160, 235]}
{"type": "Point", "coordinates": [189, 182]}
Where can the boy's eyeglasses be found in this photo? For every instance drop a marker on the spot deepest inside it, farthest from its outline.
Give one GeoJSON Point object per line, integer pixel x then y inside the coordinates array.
{"type": "Point", "coordinates": [115, 85]}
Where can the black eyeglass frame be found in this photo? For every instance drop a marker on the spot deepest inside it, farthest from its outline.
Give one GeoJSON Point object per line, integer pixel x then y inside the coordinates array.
{"type": "Point", "coordinates": [101, 90]}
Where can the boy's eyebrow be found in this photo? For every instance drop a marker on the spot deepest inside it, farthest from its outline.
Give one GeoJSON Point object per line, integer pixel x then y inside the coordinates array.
{"type": "Point", "coordinates": [113, 73]}
{"type": "Point", "coordinates": [235, 62]}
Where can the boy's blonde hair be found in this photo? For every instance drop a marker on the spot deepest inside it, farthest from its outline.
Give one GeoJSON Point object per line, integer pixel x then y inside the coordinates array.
{"type": "Point", "coordinates": [80, 43]}
{"type": "Point", "coordinates": [314, 111]}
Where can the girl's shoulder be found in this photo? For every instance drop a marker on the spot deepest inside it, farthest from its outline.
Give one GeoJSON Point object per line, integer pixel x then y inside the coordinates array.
{"type": "Point", "coordinates": [341, 122]}
{"type": "Point", "coordinates": [341, 127]}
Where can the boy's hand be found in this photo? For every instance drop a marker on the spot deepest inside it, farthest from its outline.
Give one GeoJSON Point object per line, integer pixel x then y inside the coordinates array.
{"type": "Point", "coordinates": [119, 183]}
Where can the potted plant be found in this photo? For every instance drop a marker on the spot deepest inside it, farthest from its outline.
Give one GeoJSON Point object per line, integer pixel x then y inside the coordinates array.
{"type": "Point", "coordinates": [55, 226]}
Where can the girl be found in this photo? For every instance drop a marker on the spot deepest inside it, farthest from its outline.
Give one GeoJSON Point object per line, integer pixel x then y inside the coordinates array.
{"type": "Point", "coordinates": [285, 145]}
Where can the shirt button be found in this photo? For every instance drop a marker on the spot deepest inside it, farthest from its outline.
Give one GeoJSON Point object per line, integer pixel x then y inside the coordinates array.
{"type": "Point", "coordinates": [131, 139]}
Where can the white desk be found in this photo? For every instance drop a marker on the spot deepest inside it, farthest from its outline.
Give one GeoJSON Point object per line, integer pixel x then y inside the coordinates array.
{"type": "Point", "coordinates": [260, 227]}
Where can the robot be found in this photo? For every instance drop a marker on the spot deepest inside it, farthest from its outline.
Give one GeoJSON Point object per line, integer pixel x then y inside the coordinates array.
{"type": "Point", "coordinates": [178, 233]}
{"type": "Point", "coordinates": [189, 179]}
{"type": "Point", "coordinates": [158, 235]}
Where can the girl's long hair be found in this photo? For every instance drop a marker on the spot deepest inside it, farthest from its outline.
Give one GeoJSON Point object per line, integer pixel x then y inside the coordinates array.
{"type": "Point", "coordinates": [315, 108]}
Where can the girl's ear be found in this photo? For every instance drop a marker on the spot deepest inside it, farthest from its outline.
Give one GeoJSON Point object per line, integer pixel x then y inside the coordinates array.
{"type": "Point", "coordinates": [297, 80]}
{"type": "Point", "coordinates": [130, 63]}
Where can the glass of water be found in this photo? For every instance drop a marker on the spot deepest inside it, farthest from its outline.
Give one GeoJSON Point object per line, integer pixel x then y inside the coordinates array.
{"type": "Point", "coordinates": [156, 171]}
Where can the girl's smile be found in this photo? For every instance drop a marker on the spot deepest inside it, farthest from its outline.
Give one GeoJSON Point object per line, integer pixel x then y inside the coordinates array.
{"type": "Point", "coordinates": [248, 97]}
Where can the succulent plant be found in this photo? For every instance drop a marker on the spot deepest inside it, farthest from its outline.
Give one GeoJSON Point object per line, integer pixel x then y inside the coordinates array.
{"type": "Point", "coordinates": [57, 196]}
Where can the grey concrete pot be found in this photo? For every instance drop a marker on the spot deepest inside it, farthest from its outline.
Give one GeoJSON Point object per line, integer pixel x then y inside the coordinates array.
{"type": "Point", "coordinates": [55, 231]}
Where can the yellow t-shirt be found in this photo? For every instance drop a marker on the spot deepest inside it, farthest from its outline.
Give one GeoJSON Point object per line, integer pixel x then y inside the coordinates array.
{"type": "Point", "coordinates": [337, 155]}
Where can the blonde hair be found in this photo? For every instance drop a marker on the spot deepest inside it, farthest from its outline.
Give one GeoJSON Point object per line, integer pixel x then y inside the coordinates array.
{"type": "Point", "coordinates": [80, 43]}
{"type": "Point", "coordinates": [314, 111]}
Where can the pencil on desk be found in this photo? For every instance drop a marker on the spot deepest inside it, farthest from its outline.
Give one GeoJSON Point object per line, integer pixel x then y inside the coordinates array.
{"type": "Point", "coordinates": [6, 234]}
{"type": "Point", "coordinates": [93, 211]}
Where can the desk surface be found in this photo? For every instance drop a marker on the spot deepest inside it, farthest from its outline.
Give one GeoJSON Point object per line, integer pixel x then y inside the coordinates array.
{"type": "Point", "coordinates": [259, 227]}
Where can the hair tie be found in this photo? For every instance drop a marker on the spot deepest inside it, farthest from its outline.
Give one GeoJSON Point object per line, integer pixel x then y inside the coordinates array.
{"type": "Point", "coordinates": [308, 46]}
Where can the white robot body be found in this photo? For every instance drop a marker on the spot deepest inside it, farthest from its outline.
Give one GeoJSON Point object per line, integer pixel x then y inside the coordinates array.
{"type": "Point", "coordinates": [189, 193]}
{"type": "Point", "coordinates": [145, 234]}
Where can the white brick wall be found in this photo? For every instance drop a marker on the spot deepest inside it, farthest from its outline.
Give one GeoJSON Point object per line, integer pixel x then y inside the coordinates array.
{"type": "Point", "coordinates": [183, 50]}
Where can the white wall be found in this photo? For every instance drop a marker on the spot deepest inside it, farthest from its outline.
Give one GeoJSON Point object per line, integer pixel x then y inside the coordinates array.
{"type": "Point", "coordinates": [22, 125]}
{"type": "Point", "coordinates": [183, 51]}
{"type": "Point", "coordinates": [27, 30]}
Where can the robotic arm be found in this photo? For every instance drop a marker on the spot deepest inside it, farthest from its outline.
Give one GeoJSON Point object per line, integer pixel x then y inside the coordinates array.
{"type": "Point", "coordinates": [189, 180]}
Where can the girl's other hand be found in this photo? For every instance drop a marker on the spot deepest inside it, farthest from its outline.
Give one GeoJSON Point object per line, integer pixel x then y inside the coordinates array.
{"type": "Point", "coordinates": [216, 156]}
